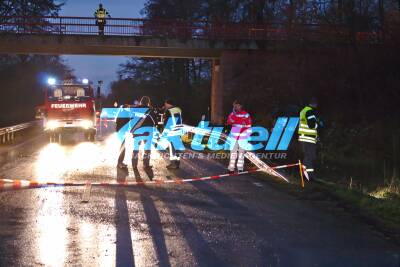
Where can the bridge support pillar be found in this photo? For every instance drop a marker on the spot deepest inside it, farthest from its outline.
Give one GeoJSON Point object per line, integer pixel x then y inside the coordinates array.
{"type": "Point", "coordinates": [217, 107]}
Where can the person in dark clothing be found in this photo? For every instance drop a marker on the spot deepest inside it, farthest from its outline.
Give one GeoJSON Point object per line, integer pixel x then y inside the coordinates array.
{"type": "Point", "coordinates": [122, 118]}
{"type": "Point", "coordinates": [148, 120]}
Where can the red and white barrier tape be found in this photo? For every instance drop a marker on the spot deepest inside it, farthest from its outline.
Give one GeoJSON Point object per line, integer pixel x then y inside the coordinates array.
{"type": "Point", "coordinates": [25, 184]}
{"type": "Point", "coordinates": [305, 172]}
{"type": "Point", "coordinates": [264, 166]}
{"type": "Point", "coordinates": [8, 184]}
{"type": "Point", "coordinates": [285, 166]}
{"type": "Point", "coordinates": [249, 155]}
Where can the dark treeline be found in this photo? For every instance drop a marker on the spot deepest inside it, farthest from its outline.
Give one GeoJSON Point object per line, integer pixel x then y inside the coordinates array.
{"type": "Point", "coordinates": [357, 86]}
{"type": "Point", "coordinates": [186, 81]}
{"type": "Point", "coordinates": [22, 77]}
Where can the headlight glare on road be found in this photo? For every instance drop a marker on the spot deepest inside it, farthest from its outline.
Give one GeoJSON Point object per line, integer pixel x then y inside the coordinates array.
{"type": "Point", "coordinates": [52, 124]}
{"type": "Point", "coordinates": [86, 124]}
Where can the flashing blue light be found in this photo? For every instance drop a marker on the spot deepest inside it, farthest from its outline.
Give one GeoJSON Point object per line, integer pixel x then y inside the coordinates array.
{"type": "Point", "coordinates": [85, 81]}
{"type": "Point", "coordinates": [51, 81]}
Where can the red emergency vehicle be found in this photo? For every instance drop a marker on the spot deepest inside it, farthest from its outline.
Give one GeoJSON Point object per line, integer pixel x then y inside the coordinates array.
{"type": "Point", "coordinates": [69, 106]}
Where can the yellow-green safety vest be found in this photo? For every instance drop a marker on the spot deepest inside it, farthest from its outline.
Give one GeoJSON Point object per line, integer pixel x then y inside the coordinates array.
{"type": "Point", "coordinates": [101, 13]}
{"type": "Point", "coordinates": [176, 115]}
{"type": "Point", "coordinates": [307, 134]}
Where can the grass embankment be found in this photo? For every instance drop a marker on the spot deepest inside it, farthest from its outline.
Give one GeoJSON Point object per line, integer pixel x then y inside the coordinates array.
{"type": "Point", "coordinates": [380, 209]}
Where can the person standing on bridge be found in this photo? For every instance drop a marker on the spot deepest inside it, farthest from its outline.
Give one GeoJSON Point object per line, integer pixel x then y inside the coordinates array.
{"type": "Point", "coordinates": [308, 135]}
{"type": "Point", "coordinates": [240, 122]}
{"type": "Point", "coordinates": [100, 14]}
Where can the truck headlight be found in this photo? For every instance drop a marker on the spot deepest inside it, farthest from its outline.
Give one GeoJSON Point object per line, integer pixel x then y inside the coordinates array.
{"type": "Point", "coordinates": [52, 124]}
{"type": "Point", "coordinates": [86, 124]}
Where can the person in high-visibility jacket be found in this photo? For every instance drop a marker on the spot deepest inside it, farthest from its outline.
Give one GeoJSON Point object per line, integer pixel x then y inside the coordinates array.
{"type": "Point", "coordinates": [308, 135]}
{"type": "Point", "coordinates": [100, 14]}
{"type": "Point", "coordinates": [173, 119]}
{"type": "Point", "coordinates": [240, 122]}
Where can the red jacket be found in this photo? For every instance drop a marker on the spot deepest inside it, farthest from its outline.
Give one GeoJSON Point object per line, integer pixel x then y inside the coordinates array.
{"type": "Point", "coordinates": [241, 124]}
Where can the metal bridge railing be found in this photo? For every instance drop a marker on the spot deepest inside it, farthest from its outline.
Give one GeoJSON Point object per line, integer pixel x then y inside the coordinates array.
{"type": "Point", "coordinates": [181, 29]}
{"type": "Point", "coordinates": [7, 134]}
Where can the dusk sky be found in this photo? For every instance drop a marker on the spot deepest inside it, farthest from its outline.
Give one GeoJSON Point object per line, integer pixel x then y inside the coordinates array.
{"type": "Point", "coordinates": [99, 67]}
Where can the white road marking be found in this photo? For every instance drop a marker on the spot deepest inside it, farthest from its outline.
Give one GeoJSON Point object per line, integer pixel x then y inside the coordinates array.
{"type": "Point", "coordinates": [258, 184]}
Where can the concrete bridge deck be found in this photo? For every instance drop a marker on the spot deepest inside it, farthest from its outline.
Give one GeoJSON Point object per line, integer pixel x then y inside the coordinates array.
{"type": "Point", "coordinates": [119, 45]}
{"type": "Point", "coordinates": [160, 38]}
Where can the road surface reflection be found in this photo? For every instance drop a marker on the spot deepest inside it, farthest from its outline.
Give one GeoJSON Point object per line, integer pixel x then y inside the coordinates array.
{"type": "Point", "coordinates": [55, 161]}
{"type": "Point", "coordinates": [51, 226]}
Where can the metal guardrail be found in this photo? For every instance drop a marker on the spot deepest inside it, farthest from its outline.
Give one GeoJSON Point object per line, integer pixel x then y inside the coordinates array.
{"type": "Point", "coordinates": [183, 29]}
{"type": "Point", "coordinates": [7, 134]}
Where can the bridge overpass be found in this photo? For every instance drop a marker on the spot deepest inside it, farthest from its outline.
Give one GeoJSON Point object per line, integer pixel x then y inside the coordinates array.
{"type": "Point", "coordinates": [158, 38]}
{"type": "Point", "coordinates": [165, 39]}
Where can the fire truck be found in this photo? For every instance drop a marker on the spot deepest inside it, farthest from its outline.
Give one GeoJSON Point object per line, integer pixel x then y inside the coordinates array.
{"type": "Point", "coordinates": [69, 106]}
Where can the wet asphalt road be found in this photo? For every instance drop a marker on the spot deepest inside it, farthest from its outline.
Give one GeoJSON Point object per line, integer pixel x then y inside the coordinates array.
{"type": "Point", "coordinates": [236, 221]}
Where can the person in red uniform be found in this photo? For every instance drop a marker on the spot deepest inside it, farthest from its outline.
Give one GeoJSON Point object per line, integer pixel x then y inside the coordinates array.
{"type": "Point", "coordinates": [240, 122]}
